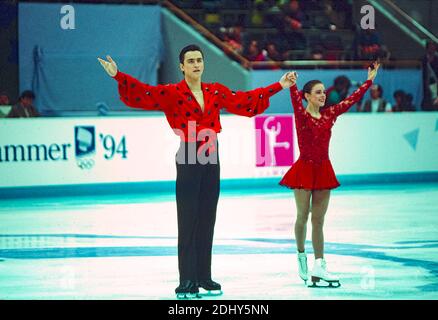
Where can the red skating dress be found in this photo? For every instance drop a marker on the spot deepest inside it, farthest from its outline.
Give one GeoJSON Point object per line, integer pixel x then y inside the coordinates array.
{"type": "Point", "coordinates": [313, 169]}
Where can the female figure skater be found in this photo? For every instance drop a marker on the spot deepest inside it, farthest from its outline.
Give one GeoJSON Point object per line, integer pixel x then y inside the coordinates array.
{"type": "Point", "coordinates": [312, 176]}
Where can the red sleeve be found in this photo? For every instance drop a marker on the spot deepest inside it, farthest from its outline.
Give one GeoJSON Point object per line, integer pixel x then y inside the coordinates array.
{"type": "Point", "coordinates": [248, 103]}
{"type": "Point", "coordinates": [297, 100]}
{"type": "Point", "coordinates": [346, 104]}
{"type": "Point", "coordinates": [136, 94]}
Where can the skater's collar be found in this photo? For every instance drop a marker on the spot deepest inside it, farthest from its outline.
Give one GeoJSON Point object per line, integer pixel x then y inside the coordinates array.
{"type": "Point", "coordinates": [184, 87]}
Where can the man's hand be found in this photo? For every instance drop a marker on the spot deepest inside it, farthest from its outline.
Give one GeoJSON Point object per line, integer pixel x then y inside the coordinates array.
{"type": "Point", "coordinates": [373, 72]}
{"type": "Point", "coordinates": [109, 66]}
{"type": "Point", "coordinates": [288, 79]}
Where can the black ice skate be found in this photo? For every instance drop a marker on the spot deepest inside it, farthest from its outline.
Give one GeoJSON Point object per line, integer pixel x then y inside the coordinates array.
{"type": "Point", "coordinates": [209, 288]}
{"type": "Point", "coordinates": [321, 278]}
{"type": "Point", "coordinates": [187, 289]}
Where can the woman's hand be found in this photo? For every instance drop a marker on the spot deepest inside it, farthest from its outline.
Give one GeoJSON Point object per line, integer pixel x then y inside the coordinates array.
{"type": "Point", "coordinates": [373, 72]}
{"type": "Point", "coordinates": [109, 66]}
{"type": "Point", "coordinates": [288, 79]}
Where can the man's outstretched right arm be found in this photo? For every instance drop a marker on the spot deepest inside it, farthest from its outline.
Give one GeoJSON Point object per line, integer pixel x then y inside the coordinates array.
{"type": "Point", "coordinates": [137, 94]}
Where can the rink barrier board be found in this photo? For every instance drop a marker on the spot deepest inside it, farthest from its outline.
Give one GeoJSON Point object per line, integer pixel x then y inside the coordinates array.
{"type": "Point", "coordinates": [227, 185]}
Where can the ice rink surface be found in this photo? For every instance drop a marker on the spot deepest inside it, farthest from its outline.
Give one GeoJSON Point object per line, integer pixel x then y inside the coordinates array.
{"type": "Point", "coordinates": [382, 240]}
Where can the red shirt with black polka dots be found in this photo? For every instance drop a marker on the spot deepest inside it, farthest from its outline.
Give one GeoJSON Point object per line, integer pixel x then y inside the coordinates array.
{"type": "Point", "coordinates": [182, 109]}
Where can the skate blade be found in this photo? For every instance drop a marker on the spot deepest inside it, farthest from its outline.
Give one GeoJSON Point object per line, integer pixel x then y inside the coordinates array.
{"type": "Point", "coordinates": [317, 282]}
{"type": "Point", "coordinates": [188, 296]}
{"type": "Point", "coordinates": [209, 293]}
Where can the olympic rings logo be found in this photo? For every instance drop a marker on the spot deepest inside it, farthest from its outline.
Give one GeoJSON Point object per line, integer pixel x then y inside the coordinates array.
{"type": "Point", "coordinates": [86, 163]}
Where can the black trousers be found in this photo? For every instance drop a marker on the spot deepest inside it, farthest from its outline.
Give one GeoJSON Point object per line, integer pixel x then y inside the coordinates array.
{"type": "Point", "coordinates": [197, 194]}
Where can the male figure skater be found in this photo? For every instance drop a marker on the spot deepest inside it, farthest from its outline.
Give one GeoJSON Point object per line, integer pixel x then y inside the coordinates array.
{"type": "Point", "coordinates": [192, 110]}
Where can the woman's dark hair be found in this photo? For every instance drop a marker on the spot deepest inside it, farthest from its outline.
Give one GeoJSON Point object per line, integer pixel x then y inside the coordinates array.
{"type": "Point", "coordinates": [309, 86]}
{"type": "Point", "coordinates": [190, 47]}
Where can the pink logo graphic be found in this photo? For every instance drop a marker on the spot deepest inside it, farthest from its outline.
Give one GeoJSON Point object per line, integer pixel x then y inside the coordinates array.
{"type": "Point", "coordinates": [274, 141]}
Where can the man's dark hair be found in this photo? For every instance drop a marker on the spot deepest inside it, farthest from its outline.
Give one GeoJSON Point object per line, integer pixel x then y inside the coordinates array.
{"type": "Point", "coordinates": [191, 47]}
{"type": "Point", "coordinates": [27, 94]}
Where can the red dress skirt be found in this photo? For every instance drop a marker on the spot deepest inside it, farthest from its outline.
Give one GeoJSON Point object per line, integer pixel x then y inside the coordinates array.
{"type": "Point", "coordinates": [310, 175]}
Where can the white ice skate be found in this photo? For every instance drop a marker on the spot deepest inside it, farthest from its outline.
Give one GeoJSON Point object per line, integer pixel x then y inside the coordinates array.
{"type": "Point", "coordinates": [320, 277]}
{"type": "Point", "coordinates": [302, 266]}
